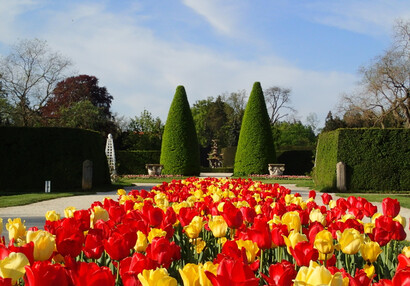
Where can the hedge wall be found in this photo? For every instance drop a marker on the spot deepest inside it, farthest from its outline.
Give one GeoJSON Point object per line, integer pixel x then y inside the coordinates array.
{"type": "Point", "coordinates": [133, 162]}
{"type": "Point", "coordinates": [376, 159]}
{"type": "Point", "coordinates": [30, 156]}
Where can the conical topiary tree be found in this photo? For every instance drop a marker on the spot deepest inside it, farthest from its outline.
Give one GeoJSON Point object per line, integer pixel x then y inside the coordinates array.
{"type": "Point", "coordinates": [180, 149]}
{"type": "Point", "coordinates": [255, 146]}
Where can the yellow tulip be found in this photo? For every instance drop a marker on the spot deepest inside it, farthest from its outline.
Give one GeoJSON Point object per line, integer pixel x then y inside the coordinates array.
{"type": "Point", "coordinates": [156, 232]}
{"type": "Point", "coordinates": [292, 220]}
{"type": "Point", "coordinates": [99, 213]}
{"type": "Point", "coordinates": [375, 216]}
{"type": "Point", "coordinates": [141, 244]}
{"type": "Point", "coordinates": [121, 192]}
{"type": "Point", "coordinates": [52, 216]}
{"type": "Point", "coordinates": [370, 251]}
{"type": "Point", "coordinates": [190, 274]}
{"type": "Point", "coordinates": [324, 242]}
{"type": "Point", "coordinates": [250, 247]}
{"type": "Point", "coordinates": [316, 215]}
{"type": "Point", "coordinates": [44, 244]}
{"type": "Point", "coordinates": [16, 228]}
{"type": "Point", "coordinates": [401, 220]}
{"type": "Point", "coordinates": [370, 270]}
{"type": "Point", "coordinates": [293, 238]}
{"type": "Point", "coordinates": [218, 226]}
{"type": "Point", "coordinates": [368, 227]}
{"type": "Point", "coordinates": [406, 251]}
{"type": "Point", "coordinates": [69, 212]}
{"type": "Point", "coordinates": [208, 266]}
{"type": "Point", "coordinates": [317, 275]}
{"type": "Point", "coordinates": [195, 227]}
{"type": "Point", "coordinates": [332, 204]}
{"type": "Point", "coordinates": [13, 266]}
{"type": "Point", "coordinates": [350, 241]}
{"type": "Point", "coordinates": [158, 277]}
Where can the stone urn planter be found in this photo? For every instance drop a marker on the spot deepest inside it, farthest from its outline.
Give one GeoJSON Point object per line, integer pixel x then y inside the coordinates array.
{"type": "Point", "coordinates": [276, 169]}
{"type": "Point", "coordinates": [154, 169]}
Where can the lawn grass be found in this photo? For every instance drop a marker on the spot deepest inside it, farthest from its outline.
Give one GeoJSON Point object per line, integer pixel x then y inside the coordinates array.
{"type": "Point", "coordinates": [404, 199]}
{"type": "Point", "coordinates": [26, 199]}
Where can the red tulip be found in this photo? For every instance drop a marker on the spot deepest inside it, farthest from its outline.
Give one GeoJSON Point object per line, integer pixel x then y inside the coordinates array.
{"type": "Point", "coordinates": [402, 277]}
{"type": "Point", "coordinates": [230, 250]}
{"type": "Point", "coordinates": [404, 262]}
{"type": "Point", "coordinates": [163, 251]}
{"type": "Point", "coordinates": [4, 251]}
{"type": "Point", "coordinates": [383, 282]}
{"type": "Point", "coordinates": [261, 234]}
{"type": "Point", "coordinates": [5, 281]}
{"type": "Point", "coordinates": [391, 207]}
{"type": "Point", "coordinates": [83, 219]}
{"type": "Point", "coordinates": [248, 214]}
{"type": "Point", "coordinates": [281, 274]}
{"type": "Point", "coordinates": [234, 273]}
{"type": "Point", "coordinates": [93, 246]}
{"type": "Point", "coordinates": [153, 215]}
{"type": "Point", "coordinates": [232, 215]}
{"type": "Point", "coordinates": [186, 215]}
{"type": "Point", "coordinates": [360, 279]}
{"type": "Point", "coordinates": [312, 194]}
{"type": "Point", "coordinates": [117, 246]}
{"type": "Point", "coordinates": [45, 273]}
{"type": "Point", "coordinates": [89, 274]}
{"type": "Point", "coordinates": [304, 253]}
{"type": "Point", "coordinates": [69, 238]}
{"type": "Point", "coordinates": [278, 231]}
{"type": "Point", "coordinates": [326, 198]}
{"type": "Point", "coordinates": [130, 267]}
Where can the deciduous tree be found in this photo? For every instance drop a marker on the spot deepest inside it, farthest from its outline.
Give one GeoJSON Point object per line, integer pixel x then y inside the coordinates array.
{"type": "Point", "coordinates": [278, 99]}
{"type": "Point", "coordinates": [384, 94]}
{"type": "Point", "coordinates": [29, 75]}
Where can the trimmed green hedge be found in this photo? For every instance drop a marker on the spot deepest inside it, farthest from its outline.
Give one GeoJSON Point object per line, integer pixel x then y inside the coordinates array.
{"type": "Point", "coordinates": [30, 156]}
{"type": "Point", "coordinates": [133, 162]}
{"type": "Point", "coordinates": [376, 159]}
{"type": "Point", "coordinates": [180, 148]}
{"type": "Point", "coordinates": [255, 146]}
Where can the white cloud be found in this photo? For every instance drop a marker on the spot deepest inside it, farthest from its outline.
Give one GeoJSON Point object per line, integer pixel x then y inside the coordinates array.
{"type": "Point", "coordinates": [221, 14]}
{"type": "Point", "coordinates": [9, 10]}
{"type": "Point", "coordinates": [372, 17]}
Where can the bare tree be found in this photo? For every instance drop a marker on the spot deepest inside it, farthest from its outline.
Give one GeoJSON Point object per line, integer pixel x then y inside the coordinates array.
{"type": "Point", "coordinates": [384, 94]}
{"type": "Point", "coordinates": [29, 75]}
{"type": "Point", "coordinates": [278, 99]}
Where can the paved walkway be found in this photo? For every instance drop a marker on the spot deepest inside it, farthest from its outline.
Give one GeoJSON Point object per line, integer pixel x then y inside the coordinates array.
{"type": "Point", "coordinates": [34, 214]}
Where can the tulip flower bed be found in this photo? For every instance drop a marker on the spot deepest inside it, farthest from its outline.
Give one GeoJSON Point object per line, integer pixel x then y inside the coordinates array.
{"type": "Point", "coordinates": [211, 232]}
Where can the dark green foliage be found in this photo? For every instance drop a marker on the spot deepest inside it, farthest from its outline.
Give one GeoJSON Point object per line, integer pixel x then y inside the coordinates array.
{"type": "Point", "coordinates": [133, 162]}
{"type": "Point", "coordinates": [229, 156]}
{"type": "Point", "coordinates": [255, 147]}
{"type": "Point", "coordinates": [298, 161]}
{"type": "Point", "coordinates": [376, 159]}
{"type": "Point", "coordinates": [180, 149]}
{"type": "Point", "coordinates": [31, 156]}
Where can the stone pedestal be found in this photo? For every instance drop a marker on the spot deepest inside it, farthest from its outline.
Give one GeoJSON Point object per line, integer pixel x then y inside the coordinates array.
{"type": "Point", "coordinates": [87, 182]}
{"type": "Point", "coordinates": [154, 169]}
{"type": "Point", "coordinates": [341, 176]}
{"type": "Point", "coordinates": [276, 169]}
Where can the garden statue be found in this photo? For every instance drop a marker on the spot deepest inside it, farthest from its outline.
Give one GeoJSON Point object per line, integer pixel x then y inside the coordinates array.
{"type": "Point", "coordinates": [215, 159]}
{"type": "Point", "coordinates": [110, 153]}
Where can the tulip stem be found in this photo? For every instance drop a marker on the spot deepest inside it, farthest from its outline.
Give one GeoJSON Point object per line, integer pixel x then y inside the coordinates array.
{"type": "Point", "coordinates": [117, 281]}
{"type": "Point", "coordinates": [261, 263]}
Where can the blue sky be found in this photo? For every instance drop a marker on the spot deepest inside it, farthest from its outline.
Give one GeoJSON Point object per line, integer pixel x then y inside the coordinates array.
{"type": "Point", "coordinates": [142, 50]}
